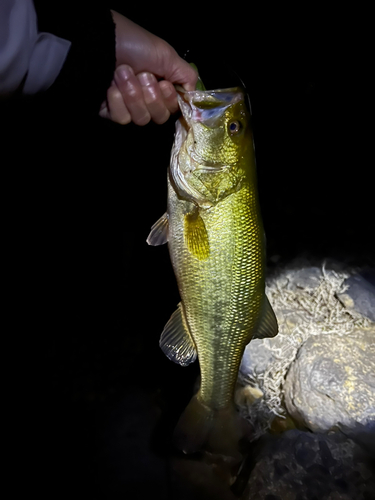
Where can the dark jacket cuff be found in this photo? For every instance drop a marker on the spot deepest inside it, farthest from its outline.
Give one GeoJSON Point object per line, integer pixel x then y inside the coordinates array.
{"type": "Point", "coordinates": [88, 69]}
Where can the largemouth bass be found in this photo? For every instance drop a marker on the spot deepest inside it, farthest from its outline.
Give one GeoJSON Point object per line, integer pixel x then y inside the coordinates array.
{"type": "Point", "coordinates": [216, 242]}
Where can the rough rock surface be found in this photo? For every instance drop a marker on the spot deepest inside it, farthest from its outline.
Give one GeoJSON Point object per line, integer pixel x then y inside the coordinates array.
{"type": "Point", "coordinates": [258, 356]}
{"type": "Point", "coordinates": [260, 353]}
{"type": "Point", "coordinates": [295, 465]}
{"type": "Point", "coordinates": [332, 381]}
{"type": "Point", "coordinates": [306, 300]}
{"type": "Point", "coordinates": [304, 466]}
{"type": "Point", "coordinates": [360, 295]}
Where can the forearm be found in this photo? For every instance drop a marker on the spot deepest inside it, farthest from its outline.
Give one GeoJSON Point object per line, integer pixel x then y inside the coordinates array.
{"type": "Point", "coordinates": [29, 60]}
{"type": "Point", "coordinates": [64, 47]}
{"type": "Point", "coordinates": [88, 70]}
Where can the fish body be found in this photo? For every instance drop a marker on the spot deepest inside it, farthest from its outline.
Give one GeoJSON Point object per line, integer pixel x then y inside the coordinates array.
{"type": "Point", "coordinates": [216, 242]}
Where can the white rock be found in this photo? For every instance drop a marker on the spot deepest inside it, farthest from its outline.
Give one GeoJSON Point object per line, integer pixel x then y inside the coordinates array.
{"type": "Point", "coordinates": [332, 381]}
{"type": "Point", "coordinates": [359, 296]}
{"type": "Point", "coordinates": [305, 300]}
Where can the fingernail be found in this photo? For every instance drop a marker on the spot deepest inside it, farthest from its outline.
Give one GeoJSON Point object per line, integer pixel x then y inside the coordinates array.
{"type": "Point", "coordinates": [124, 72]}
{"type": "Point", "coordinates": [146, 79]}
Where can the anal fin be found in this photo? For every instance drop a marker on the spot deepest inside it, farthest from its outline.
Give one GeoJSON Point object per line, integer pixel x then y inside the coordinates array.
{"type": "Point", "coordinates": [267, 324]}
{"type": "Point", "coordinates": [176, 341]}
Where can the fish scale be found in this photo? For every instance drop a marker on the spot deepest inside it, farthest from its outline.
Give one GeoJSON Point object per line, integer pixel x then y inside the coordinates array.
{"type": "Point", "coordinates": [216, 243]}
{"type": "Point", "coordinates": [229, 299]}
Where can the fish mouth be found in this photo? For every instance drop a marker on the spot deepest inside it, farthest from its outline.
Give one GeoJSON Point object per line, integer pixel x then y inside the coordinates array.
{"type": "Point", "coordinates": [207, 106]}
{"type": "Point", "coordinates": [228, 90]}
{"type": "Point", "coordinates": [205, 100]}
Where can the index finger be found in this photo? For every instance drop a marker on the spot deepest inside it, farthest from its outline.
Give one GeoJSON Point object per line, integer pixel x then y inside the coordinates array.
{"type": "Point", "coordinates": [169, 95]}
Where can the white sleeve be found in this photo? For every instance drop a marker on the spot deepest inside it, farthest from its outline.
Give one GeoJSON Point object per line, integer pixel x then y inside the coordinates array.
{"type": "Point", "coordinates": [26, 55]}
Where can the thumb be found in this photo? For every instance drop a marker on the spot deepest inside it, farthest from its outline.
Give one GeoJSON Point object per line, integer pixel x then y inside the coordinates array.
{"type": "Point", "coordinates": [182, 73]}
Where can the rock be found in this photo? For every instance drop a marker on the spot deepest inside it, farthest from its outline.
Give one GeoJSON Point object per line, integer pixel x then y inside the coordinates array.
{"type": "Point", "coordinates": [296, 284]}
{"type": "Point", "coordinates": [307, 277]}
{"type": "Point", "coordinates": [332, 381]}
{"type": "Point", "coordinates": [305, 299]}
{"type": "Point", "coordinates": [247, 395]}
{"type": "Point", "coordinates": [301, 465]}
{"type": "Point", "coordinates": [281, 424]}
{"type": "Point", "coordinates": [256, 358]}
{"type": "Point", "coordinates": [360, 295]}
{"type": "Point", "coordinates": [369, 275]}
{"type": "Point", "coordinates": [364, 435]}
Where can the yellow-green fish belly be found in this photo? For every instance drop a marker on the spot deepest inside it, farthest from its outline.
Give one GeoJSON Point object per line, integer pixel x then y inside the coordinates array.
{"type": "Point", "coordinates": [221, 294]}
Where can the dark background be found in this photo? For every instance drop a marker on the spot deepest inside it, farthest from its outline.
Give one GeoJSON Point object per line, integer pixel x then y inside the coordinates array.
{"type": "Point", "coordinates": [93, 398]}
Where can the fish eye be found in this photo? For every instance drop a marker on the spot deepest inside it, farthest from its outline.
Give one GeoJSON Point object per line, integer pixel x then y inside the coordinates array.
{"type": "Point", "coordinates": [234, 127]}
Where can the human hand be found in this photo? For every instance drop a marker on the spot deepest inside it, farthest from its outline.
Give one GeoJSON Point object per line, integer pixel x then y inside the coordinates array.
{"type": "Point", "coordinates": [147, 67]}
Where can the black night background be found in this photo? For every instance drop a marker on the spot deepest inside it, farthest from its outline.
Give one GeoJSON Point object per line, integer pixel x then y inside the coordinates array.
{"type": "Point", "coordinates": [93, 399]}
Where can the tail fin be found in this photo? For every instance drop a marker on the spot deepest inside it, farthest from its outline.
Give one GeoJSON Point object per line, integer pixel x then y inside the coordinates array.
{"type": "Point", "coordinates": [201, 427]}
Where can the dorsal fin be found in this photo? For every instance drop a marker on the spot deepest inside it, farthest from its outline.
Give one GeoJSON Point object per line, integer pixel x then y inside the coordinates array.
{"type": "Point", "coordinates": [176, 341]}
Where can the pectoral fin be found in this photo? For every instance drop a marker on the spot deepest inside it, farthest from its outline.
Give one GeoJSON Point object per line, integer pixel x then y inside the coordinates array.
{"type": "Point", "coordinates": [159, 231]}
{"type": "Point", "coordinates": [195, 235]}
{"type": "Point", "coordinates": [176, 341]}
{"type": "Point", "coordinates": [267, 325]}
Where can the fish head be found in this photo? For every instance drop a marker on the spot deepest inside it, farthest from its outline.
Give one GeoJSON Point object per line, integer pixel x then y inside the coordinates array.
{"type": "Point", "coordinates": [217, 153]}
